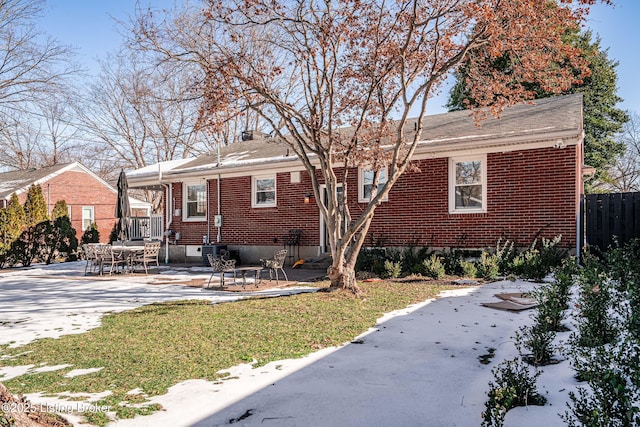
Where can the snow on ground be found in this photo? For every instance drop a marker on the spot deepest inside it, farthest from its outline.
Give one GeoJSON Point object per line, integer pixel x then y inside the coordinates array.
{"type": "Point", "coordinates": [417, 367]}
{"type": "Point", "coordinates": [58, 299]}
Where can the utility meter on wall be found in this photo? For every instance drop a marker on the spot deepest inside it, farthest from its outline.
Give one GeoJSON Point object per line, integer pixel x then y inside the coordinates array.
{"type": "Point", "coordinates": [217, 220]}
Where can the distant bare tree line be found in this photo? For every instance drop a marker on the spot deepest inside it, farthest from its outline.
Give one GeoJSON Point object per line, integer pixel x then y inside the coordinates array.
{"type": "Point", "coordinates": [136, 112]}
{"type": "Point", "coordinates": [624, 176]}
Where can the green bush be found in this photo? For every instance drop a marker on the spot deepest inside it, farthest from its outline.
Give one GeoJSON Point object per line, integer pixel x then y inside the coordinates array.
{"type": "Point", "coordinates": [451, 260]}
{"type": "Point", "coordinates": [505, 254]}
{"type": "Point", "coordinates": [605, 348]}
{"type": "Point", "coordinates": [412, 259]}
{"type": "Point", "coordinates": [91, 234]}
{"type": "Point", "coordinates": [539, 260]}
{"type": "Point", "coordinates": [392, 269]}
{"type": "Point", "coordinates": [433, 267]}
{"type": "Point", "coordinates": [488, 266]}
{"type": "Point", "coordinates": [514, 385]}
{"type": "Point", "coordinates": [538, 340]}
{"type": "Point", "coordinates": [612, 398]}
{"type": "Point", "coordinates": [468, 268]}
{"type": "Point", "coordinates": [622, 263]}
{"type": "Point", "coordinates": [26, 248]}
{"type": "Point", "coordinates": [61, 240]}
{"type": "Point", "coordinates": [372, 260]}
{"type": "Point", "coordinates": [595, 323]}
{"type": "Point", "coordinates": [113, 236]}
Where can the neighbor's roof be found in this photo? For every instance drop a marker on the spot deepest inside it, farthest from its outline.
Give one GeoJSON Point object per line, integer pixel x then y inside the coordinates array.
{"type": "Point", "coordinates": [540, 120]}
{"type": "Point", "coordinates": [20, 180]}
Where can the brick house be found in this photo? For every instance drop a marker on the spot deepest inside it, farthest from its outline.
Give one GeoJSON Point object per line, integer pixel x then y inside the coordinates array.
{"type": "Point", "coordinates": [89, 198]}
{"type": "Point", "coordinates": [527, 169]}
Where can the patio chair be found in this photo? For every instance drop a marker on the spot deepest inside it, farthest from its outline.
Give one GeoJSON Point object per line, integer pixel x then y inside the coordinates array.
{"type": "Point", "coordinates": [90, 255]}
{"type": "Point", "coordinates": [107, 256]}
{"type": "Point", "coordinates": [276, 263]}
{"type": "Point", "coordinates": [221, 266]}
{"type": "Point", "coordinates": [148, 256]}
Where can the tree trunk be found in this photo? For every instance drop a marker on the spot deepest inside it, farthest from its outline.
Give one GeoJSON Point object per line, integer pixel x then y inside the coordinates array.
{"type": "Point", "coordinates": [343, 277]}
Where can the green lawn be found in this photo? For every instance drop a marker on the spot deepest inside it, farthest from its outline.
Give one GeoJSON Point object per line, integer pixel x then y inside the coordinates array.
{"type": "Point", "coordinates": [156, 346]}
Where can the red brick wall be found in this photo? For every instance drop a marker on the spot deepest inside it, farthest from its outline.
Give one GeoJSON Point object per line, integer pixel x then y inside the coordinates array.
{"type": "Point", "coordinates": [79, 189]}
{"type": "Point", "coordinates": [244, 225]}
{"type": "Point", "coordinates": [529, 193]}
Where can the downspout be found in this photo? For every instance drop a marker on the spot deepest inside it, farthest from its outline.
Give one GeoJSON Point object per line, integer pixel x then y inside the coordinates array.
{"type": "Point", "coordinates": [580, 207]}
{"type": "Point", "coordinates": [219, 235]}
{"type": "Point", "coordinates": [168, 209]}
{"type": "Point", "coordinates": [208, 187]}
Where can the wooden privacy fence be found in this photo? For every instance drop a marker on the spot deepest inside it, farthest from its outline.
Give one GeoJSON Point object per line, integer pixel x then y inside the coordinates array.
{"type": "Point", "coordinates": [612, 216]}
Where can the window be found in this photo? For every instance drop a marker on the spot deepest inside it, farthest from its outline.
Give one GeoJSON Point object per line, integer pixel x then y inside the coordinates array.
{"type": "Point", "coordinates": [264, 191]}
{"type": "Point", "coordinates": [195, 201]}
{"type": "Point", "coordinates": [365, 180]}
{"type": "Point", "coordinates": [467, 184]}
{"type": "Point", "coordinates": [88, 217]}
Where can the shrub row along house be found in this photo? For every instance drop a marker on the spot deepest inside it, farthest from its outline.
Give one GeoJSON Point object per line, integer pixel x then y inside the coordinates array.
{"type": "Point", "coordinates": [518, 177]}
{"type": "Point", "coordinates": [89, 198]}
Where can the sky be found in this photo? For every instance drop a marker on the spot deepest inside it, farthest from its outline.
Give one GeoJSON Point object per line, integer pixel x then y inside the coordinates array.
{"type": "Point", "coordinates": [90, 27]}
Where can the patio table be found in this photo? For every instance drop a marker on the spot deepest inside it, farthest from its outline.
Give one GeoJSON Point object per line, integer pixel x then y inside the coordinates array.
{"type": "Point", "coordinates": [256, 271]}
{"type": "Point", "coordinates": [127, 253]}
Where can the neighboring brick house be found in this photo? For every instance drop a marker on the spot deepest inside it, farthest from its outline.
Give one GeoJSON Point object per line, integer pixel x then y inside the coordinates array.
{"type": "Point", "coordinates": [528, 166]}
{"type": "Point", "coordinates": [88, 197]}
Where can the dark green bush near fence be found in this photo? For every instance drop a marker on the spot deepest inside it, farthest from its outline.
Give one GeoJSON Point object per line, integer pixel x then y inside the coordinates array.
{"type": "Point", "coordinates": [612, 400]}
{"type": "Point", "coordinates": [606, 344]}
{"type": "Point", "coordinates": [623, 265]}
{"type": "Point", "coordinates": [91, 234]}
{"type": "Point", "coordinates": [596, 325]}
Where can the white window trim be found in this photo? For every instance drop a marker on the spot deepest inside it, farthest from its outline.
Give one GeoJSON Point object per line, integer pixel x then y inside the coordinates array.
{"type": "Point", "coordinates": [254, 204]}
{"type": "Point", "coordinates": [361, 197]}
{"type": "Point", "coordinates": [92, 218]}
{"type": "Point", "coordinates": [185, 211]}
{"type": "Point", "coordinates": [452, 180]}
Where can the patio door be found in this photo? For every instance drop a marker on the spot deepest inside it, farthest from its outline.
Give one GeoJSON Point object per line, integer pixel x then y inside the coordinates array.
{"type": "Point", "coordinates": [324, 235]}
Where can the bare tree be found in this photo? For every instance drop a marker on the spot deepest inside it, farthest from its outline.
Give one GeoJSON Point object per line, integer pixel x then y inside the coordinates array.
{"type": "Point", "coordinates": [58, 136]}
{"type": "Point", "coordinates": [20, 144]}
{"type": "Point", "coordinates": [30, 63]}
{"type": "Point", "coordinates": [33, 69]}
{"type": "Point", "coordinates": [624, 176]}
{"type": "Point", "coordinates": [139, 114]}
{"type": "Point", "coordinates": [337, 80]}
